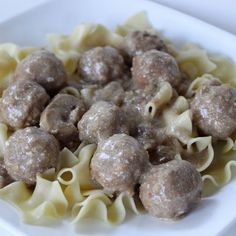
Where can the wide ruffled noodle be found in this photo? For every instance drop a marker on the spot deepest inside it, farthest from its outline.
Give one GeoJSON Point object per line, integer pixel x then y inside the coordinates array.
{"type": "Point", "coordinates": [3, 138]}
{"type": "Point", "coordinates": [138, 21]}
{"type": "Point", "coordinates": [45, 204]}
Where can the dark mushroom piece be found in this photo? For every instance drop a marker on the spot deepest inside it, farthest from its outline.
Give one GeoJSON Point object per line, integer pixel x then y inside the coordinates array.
{"type": "Point", "coordinates": [60, 118]}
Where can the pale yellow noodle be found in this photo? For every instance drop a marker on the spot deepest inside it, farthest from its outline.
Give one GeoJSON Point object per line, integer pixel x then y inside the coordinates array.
{"type": "Point", "coordinates": [3, 138]}
{"type": "Point", "coordinates": [162, 97]}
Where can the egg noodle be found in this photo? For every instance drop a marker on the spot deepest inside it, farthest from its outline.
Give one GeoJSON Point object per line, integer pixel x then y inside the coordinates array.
{"type": "Point", "coordinates": [69, 190]}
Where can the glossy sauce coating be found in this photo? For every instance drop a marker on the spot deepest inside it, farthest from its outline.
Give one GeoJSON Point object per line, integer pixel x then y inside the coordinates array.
{"type": "Point", "coordinates": [101, 121]}
{"type": "Point", "coordinates": [101, 65]}
{"type": "Point", "coordinates": [214, 110]}
{"type": "Point", "coordinates": [109, 109]}
{"type": "Point", "coordinates": [118, 163]}
{"type": "Point", "coordinates": [44, 68]}
{"type": "Point", "coordinates": [154, 67]}
{"type": "Point", "coordinates": [60, 118]}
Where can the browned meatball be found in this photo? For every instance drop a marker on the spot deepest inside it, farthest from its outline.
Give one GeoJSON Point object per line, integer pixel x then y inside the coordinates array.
{"type": "Point", "coordinates": [138, 42]}
{"type": "Point", "coordinates": [101, 65]}
{"type": "Point", "coordinates": [153, 67]}
{"type": "Point", "coordinates": [171, 190]}
{"type": "Point", "coordinates": [28, 152]}
{"type": "Point", "coordinates": [101, 121]}
{"type": "Point", "coordinates": [22, 103]}
{"type": "Point", "coordinates": [44, 68]}
{"type": "Point", "coordinates": [60, 118]}
{"type": "Point", "coordinates": [214, 110]}
{"type": "Point", "coordinates": [112, 92]}
{"type": "Point", "coordinates": [118, 163]}
{"type": "Point", "coordinates": [5, 179]}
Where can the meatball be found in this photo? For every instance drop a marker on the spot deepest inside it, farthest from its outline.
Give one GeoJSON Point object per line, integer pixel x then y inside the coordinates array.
{"type": "Point", "coordinates": [214, 110]}
{"type": "Point", "coordinates": [60, 118]}
{"type": "Point", "coordinates": [101, 121]}
{"type": "Point", "coordinates": [153, 67]}
{"type": "Point", "coordinates": [138, 42]}
{"type": "Point", "coordinates": [112, 92]}
{"type": "Point", "coordinates": [44, 68]}
{"type": "Point", "coordinates": [22, 103]}
{"type": "Point", "coordinates": [118, 163]}
{"type": "Point", "coordinates": [5, 179]}
{"type": "Point", "coordinates": [170, 190]}
{"type": "Point", "coordinates": [28, 152]}
{"type": "Point", "coordinates": [101, 65]}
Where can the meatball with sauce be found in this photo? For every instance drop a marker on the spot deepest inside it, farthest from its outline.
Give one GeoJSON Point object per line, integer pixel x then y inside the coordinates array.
{"type": "Point", "coordinates": [214, 110]}
{"type": "Point", "coordinates": [101, 121]}
{"type": "Point", "coordinates": [138, 42]}
{"type": "Point", "coordinates": [28, 152]}
{"type": "Point", "coordinates": [22, 103]}
{"type": "Point", "coordinates": [153, 67]}
{"type": "Point", "coordinates": [60, 118]}
{"type": "Point", "coordinates": [44, 68]}
{"type": "Point", "coordinates": [101, 65]}
{"type": "Point", "coordinates": [171, 190]}
{"type": "Point", "coordinates": [118, 163]}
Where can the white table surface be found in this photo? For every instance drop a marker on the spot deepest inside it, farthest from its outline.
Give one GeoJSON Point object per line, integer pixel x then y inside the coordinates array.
{"type": "Point", "coordinates": [221, 13]}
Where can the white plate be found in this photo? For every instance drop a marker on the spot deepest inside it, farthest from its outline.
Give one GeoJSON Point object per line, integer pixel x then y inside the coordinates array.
{"type": "Point", "coordinates": [215, 215]}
